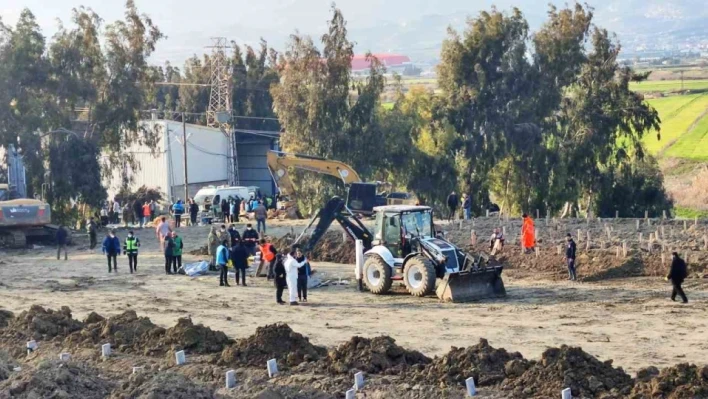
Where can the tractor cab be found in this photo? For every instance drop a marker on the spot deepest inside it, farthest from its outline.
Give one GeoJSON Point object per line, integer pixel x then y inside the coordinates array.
{"type": "Point", "coordinates": [400, 227]}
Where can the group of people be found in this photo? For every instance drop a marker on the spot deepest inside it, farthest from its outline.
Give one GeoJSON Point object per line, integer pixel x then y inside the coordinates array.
{"type": "Point", "coordinates": [231, 208]}
{"type": "Point", "coordinates": [112, 249]}
{"type": "Point", "coordinates": [453, 203]}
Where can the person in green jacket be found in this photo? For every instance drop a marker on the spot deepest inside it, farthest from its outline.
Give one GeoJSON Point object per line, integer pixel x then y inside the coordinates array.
{"type": "Point", "coordinates": [130, 248]}
{"type": "Point", "coordinates": [177, 252]}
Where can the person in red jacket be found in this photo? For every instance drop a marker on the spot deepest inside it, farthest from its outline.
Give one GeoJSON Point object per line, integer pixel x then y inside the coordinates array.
{"type": "Point", "coordinates": [268, 253]}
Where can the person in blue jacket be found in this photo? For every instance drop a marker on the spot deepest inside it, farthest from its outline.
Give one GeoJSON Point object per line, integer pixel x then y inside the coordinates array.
{"type": "Point", "coordinates": [222, 260]}
{"type": "Point", "coordinates": [111, 247]}
{"type": "Point", "coordinates": [178, 211]}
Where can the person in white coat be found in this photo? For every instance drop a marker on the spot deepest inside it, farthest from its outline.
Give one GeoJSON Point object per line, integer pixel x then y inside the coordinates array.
{"type": "Point", "coordinates": [291, 270]}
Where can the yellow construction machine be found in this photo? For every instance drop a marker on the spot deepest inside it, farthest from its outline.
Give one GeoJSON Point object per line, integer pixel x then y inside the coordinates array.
{"type": "Point", "coordinates": [23, 218]}
{"type": "Point", "coordinates": [280, 162]}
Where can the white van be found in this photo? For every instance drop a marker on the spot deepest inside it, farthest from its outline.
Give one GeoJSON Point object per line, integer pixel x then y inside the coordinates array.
{"type": "Point", "coordinates": [244, 193]}
{"type": "Point", "coordinates": [204, 196]}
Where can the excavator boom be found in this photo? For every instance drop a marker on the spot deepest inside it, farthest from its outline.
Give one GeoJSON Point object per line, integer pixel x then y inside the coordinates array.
{"type": "Point", "coordinates": [279, 162]}
{"type": "Point", "coordinates": [335, 209]}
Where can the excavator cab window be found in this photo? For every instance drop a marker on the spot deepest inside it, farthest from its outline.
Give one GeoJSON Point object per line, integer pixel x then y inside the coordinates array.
{"type": "Point", "coordinates": [392, 234]}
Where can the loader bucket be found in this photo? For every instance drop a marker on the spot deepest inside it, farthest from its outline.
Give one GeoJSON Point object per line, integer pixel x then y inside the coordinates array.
{"type": "Point", "coordinates": [472, 285]}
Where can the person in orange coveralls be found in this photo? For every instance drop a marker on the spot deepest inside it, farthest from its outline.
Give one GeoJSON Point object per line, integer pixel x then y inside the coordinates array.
{"type": "Point", "coordinates": [528, 234]}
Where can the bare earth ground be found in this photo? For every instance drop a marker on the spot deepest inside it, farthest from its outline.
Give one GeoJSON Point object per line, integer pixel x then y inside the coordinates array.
{"type": "Point", "coordinates": [630, 320]}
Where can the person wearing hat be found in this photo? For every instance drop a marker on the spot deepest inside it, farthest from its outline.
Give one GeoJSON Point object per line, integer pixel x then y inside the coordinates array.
{"type": "Point", "coordinates": [130, 248]}
{"type": "Point", "coordinates": [677, 273]}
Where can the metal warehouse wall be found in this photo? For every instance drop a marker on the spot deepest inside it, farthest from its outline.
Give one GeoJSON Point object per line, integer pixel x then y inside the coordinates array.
{"type": "Point", "coordinates": [252, 163]}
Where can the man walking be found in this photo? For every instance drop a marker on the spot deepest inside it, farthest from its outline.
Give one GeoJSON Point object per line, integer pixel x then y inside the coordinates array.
{"type": "Point", "coordinates": [130, 248]}
{"type": "Point", "coordinates": [169, 251]}
{"type": "Point", "coordinates": [222, 258]}
{"type": "Point", "coordinates": [177, 252]}
{"type": "Point", "coordinates": [61, 239]}
{"type": "Point", "coordinates": [111, 247]}
{"type": "Point", "coordinates": [467, 206]}
{"type": "Point", "coordinates": [162, 231]}
{"type": "Point", "coordinates": [570, 257]}
{"type": "Point", "coordinates": [178, 211]}
{"type": "Point", "coordinates": [678, 273]}
{"type": "Point", "coordinates": [261, 214]}
{"type": "Point", "coordinates": [452, 202]}
{"type": "Point", "coordinates": [239, 258]}
{"type": "Point", "coordinates": [92, 228]}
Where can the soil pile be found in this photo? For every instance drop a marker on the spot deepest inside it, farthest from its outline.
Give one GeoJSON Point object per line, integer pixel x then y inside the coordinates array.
{"type": "Point", "coordinates": [488, 366]}
{"type": "Point", "coordinates": [330, 248]}
{"type": "Point", "coordinates": [274, 341]}
{"type": "Point", "coordinates": [5, 317]}
{"type": "Point", "coordinates": [376, 355]}
{"type": "Point", "coordinates": [42, 324]}
{"type": "Point", "coordinates": [125, 332]}
{"type": "Point", "coordinates": [195, 338]}
{"type": "Point", "coordinates": [163, 385]}
{"type": "Point", "coordinates": [569, 367]}
{"type": "Point", "coordinates": [7, 364]}
{"type": "Point", "coordinates": [54, 379]}
{"type": "Point", "coordinates": [682, 381]}
{"type": "Point", "coordinates": [204, 250]}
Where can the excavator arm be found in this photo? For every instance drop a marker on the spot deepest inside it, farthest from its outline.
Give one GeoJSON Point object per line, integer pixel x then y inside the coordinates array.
{"type": "Point", "coordinates": [279, 162]}
{"type": "Point", "coordinates": [335, 209]}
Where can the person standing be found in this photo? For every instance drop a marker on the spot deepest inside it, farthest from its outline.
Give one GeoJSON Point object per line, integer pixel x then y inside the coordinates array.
{"type": "Point", "coordinates": [452, 202]}
{"type": "Point", "coordinates": [280, 281]}
{"type": "Point", "coordinates": [177, 252]}
{"type": "Point", "coordinates": [126, 214]}
{"type": "Point", "coordinates": [178, 211]}
{"type": "Point", "coordinates": [292, 265]}
{"type": "Point", "coordinates": [239, 258]}
{"type": "Point", "coordinates": [138, 212]}
{"type": "Point", "coordinates": [528, 234]}
{"type": "Point", "coordinates": [467, 206]}
{"type": "Point", "coordinates": [92, 228]}
{"type": "Point", "coordinates": [130, 248]}
{"type": "Point", "coordinates": [162, 231]}
{"type": "Point", "coordinates": [193, 212]}
{"type": "Point", "coordinates": [496, 243]}
{"type": "Point", "coordinates": [61, 238]}
{"type": "Point", "coordinates": [169, 250]}
{"type": "Point", "coordinates": [111, 247]}
{"type": "Point", "coordinates": [250, 239]}
{"type": "Point", "coordinates": [212, 245]}
{"type": "Point", "coordinates": [677, 274]}
{"type": "Point", "coordinates": [268, 253]}
{"type": "Point", "coordinates": [570, 257]}
{"type": "Point", "coordinates": [261, 214]}
{"type": "Point", "coordinates": [222, 258]}
{"type": "Point", "coordinates": [233, 235]}
{"type": "Point", "coordinates": [232, 210]}
{"type": "Point", "coordinates": [115, 211]}
{"type": "Point", "coordinates": [225, 210]}
{"type": "Point", "coordinates": [303, 274]}
{"type": "Point", "coordinates": [153, 210]}
{"type": "Point", "coordinates": [237, 207]}
{"type": "Point", "coordinates": [146, 215]}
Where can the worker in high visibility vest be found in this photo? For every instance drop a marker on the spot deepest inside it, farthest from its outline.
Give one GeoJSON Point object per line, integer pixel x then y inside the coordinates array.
{"type": "Point", "coordinates": [130, 247]}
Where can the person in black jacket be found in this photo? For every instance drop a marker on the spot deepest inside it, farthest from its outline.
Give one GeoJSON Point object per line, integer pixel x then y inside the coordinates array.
{"type": "Point", "coordinates": [169, 251]}
{"type": "Point", "coordinates": [677, 274]}
{"type": "Point", "coordinates": [193, 212]}
{"type": "Point", "coordinates": [303, 274]}
{"type": "Point", "coordinates": [234, 234]}
{"type": "Point", "coordinates": [239, 258]}
{"type": "Point", "coordinates": [280, 281]}
{"type": "Point", "coordinates": [250, 239]}
{"type": "Point", "coordinates": [570, 257]}
{"type": "Point", "coordinates": [138, 212]}
{"type": "Point", "coordinates": [452, 203]}
{"type": "Point", "coordinates": [61, 239]}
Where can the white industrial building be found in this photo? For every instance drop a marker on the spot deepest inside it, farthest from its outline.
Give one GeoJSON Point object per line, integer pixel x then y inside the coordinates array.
{"type": "Point", "coordinates": [207, 159]}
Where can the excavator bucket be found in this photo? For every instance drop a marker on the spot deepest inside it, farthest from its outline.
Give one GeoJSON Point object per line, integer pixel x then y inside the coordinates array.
{"type": "Point", "coordinates": [472, 285]}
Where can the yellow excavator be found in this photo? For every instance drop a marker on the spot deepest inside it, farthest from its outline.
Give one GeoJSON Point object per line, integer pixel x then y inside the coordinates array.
{"type": "Point", "coordinates": [23, 218]}
{"type": "Point", "coordinates": [280, 162]}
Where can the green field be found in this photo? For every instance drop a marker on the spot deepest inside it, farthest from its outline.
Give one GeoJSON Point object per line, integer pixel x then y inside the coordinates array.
{"type": "Point", "coordinates": [693, 144]}
{"type": "Point", "coordinates": [678, 114]}
{"type": "Point", "coordinates": [669, 85]}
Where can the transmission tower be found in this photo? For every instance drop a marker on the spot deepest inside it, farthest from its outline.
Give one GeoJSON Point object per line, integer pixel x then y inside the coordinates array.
{"type": "Point", "coordinates": [219, 111]}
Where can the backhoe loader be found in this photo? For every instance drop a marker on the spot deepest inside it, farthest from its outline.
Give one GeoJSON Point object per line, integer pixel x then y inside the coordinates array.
{"type": "Point", "coordinates": [405, 247]}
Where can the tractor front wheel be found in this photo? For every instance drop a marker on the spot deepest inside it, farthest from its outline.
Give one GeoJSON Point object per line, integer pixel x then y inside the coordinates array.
{"type": "Point", "coordinates": [419, 276]}
{"type": "Point", "coordinates": [377, 275]}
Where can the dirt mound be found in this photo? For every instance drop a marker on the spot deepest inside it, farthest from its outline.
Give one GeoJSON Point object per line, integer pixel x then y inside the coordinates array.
{"type": "Point", "coordinates": [204, 250]}
{"type": "Point", "coordinates": [42, 324]}
{"type": "Point", "coordinates": [5, 317]}
{"type": "Point", "coordinates": [125, 332]}
{"type": "Point", "coordinates": [195, 338]}
{"type": "Point", "coordinates": [376, 355]}
{"type": "Point", "coordinates": [54, 379]}
{"type": "Point", "coordinates": [488, 366]}
{"type": "Point", "coordinates": [163, 385]}
{"type": "Point", "coordinates": [7, 364]}
{"type": "Point", "coordinates": [682, 381]}
{"type": "Point", "coordinates": [274, 341]}
{"type": "Point", "coordinates": [569, 367]}
{"type": "Point", "coordinates": [330, 248]}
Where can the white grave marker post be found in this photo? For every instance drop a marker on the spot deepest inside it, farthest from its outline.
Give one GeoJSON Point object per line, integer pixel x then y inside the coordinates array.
{"type": "Point", "coordinates": [565, 394]}
{"type": "Point", "coordinates": [138, 369]}
{"type": "Point", "coordinates": [351, 394]}
{"type": "Point", "coordinates": [31, 346]}
{"type": "Point", "coordinates": [272, 366]}
{"type": "Point", "coordinates": [230, 379]}
{"type": "Point", "coordinates": [64, 357]}
{"type": "Point", "coordinates": [471, 390]}
{"type": "Point", "coordinates": [106, 350]}
{"type": "Point", "coordinates": [180, 358]}
{"type": "Point", "coordinates": [359, 381]}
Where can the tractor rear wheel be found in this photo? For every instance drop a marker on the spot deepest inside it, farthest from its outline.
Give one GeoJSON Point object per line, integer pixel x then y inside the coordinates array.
{"type": "Point", "coordinates": [419, 276]}
{"type": "Point", "coordinates": [377, 275]}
